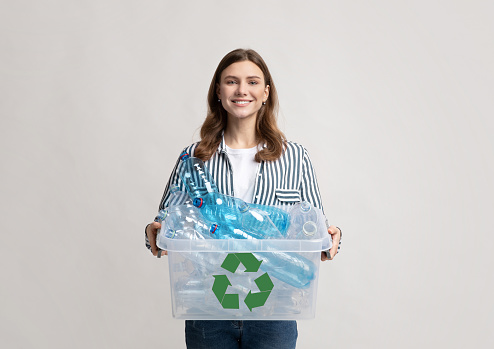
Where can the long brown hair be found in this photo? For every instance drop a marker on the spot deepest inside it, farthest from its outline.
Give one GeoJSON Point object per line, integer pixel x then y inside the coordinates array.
{"type": "Point", "coordinates": [267, 130]}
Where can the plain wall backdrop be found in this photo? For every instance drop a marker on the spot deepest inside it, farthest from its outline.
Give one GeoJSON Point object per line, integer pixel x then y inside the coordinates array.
{"type": "Point", "coordinates": [393, 100]}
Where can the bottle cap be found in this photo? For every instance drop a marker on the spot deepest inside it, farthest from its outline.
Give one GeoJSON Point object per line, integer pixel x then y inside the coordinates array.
{"type": "Point", "coordinates": [309, 228]}
{"type": "Point", "coordinates": [184, 156]}
{"type": "Point", "coordinates": [161, 215]}
{"type": "Point", "coordinates": [243, 207]}
{"type": "Point", "coordinates": [305, 206]}
{"type": "Point", "coordinates": [213, 228]}
{"type": "Point", "coordinates": [197, 202]}
{"type": "Point", "coordinates": [170, 233]}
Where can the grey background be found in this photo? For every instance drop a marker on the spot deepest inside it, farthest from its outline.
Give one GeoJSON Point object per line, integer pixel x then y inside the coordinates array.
{"type": "Point", "coordinates": [393, 99]}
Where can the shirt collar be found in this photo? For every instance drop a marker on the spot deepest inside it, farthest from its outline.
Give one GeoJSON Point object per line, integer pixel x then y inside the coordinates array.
{"type": "Point", "coordinates": [222, 145]}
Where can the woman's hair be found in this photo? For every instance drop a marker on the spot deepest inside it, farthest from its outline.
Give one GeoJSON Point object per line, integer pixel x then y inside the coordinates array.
{"type": "Point", "coordinates": [267, 130]}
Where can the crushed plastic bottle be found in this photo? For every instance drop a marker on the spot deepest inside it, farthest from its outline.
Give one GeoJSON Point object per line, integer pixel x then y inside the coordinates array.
{"type": "Point", "coordinates": [289, 267]}
{"type": "Point", "coordinates": [196, 177]}
{"type": "Point", "coordinates": [202, 188]}
{"type": "Point", "coordinates": [237, 219]}
{"type": "Point", "coordinates": [178, 197]}
{"type": "Point", "coordinates": [303, 222]}
{"type": "Point", "coordinates": [184, 222]}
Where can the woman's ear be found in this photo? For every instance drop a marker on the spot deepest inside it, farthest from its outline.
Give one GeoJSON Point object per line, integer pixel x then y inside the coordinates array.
{"type": "Point", "coordinates": [218, 91]}
{"type": "Point", "coordinates": [266, 92]}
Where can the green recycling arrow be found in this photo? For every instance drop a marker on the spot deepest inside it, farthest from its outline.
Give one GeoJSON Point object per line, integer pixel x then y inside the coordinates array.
{"type": "Point", "coordinates": [228, 301]}
{"type": "Point", "coordinates": [251, 264]}
{"type": "Point", "coordinates": [258, 299]}
{"type": "Point", "coordinates": [233, 260]}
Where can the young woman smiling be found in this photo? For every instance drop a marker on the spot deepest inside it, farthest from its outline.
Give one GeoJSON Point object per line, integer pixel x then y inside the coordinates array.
{"type": "Point", "coordinates": [250, 158]}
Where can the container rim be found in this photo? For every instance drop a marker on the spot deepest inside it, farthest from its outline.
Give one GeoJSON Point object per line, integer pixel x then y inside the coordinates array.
{"type": "Point", "coordinates": [243, 245]}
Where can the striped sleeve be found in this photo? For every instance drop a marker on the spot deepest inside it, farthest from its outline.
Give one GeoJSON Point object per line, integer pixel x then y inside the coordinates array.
{"type": "Point", "coordinates": [310, 188]}
{"type": "Point", "coordinates": [173, 180]}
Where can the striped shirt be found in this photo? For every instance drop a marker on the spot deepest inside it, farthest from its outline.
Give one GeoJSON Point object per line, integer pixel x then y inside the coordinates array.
{"type": "Point", "coordinates": [283, 182]}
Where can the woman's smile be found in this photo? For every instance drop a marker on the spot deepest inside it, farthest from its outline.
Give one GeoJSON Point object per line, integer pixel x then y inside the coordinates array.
{"type": "Point", "coordinates": [242, 90]}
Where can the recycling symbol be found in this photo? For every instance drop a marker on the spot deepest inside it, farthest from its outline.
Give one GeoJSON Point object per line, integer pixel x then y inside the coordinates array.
{"type": "Point", "coordinates": [251, 264]}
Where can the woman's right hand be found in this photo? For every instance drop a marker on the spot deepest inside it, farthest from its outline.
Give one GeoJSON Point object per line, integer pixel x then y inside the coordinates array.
{"type": "Point", "coordinates": [152, 230]}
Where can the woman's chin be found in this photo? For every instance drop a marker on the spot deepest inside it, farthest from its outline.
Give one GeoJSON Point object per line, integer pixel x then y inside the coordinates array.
{"type": "Point", "coordinates": [241, 116]}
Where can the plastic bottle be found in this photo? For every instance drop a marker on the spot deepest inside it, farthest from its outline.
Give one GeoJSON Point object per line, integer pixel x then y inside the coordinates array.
{"type": "Point", "coordinates": [178, 197]}
{"type": "Point", "coordinates": [237, 219]}
{"type": "Point", "coordinates": [288, 267]}
{"type": "Point", "coordinates": [303, 222]}
{"type": "Point", "coordinates": [201, 186]}
{"type": "Point", "coordinates": [184, 222]}
{"type": "Point", "coordinates": [279, 217]}
{"type": "Point", "coordinates": [196, 177]}
{"type": "Point", "coordinates": [192, 295]}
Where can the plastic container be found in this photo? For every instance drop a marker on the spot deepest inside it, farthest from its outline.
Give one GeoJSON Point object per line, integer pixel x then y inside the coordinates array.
{"type": "Point", "coordinates": [234, 284]}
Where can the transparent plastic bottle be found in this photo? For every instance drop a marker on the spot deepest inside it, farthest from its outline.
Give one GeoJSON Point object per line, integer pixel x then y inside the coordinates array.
{"type": "Point", "coordinates": [184, 222]}
{"type": "Point", "coordinates": [196, 177]}
{"type": "Point", "coordinates": [201, 186]}
{"type": "Point", "coordinates": [289, 267]}
{"type": "Point", "coordinates": [178, 197]}
{"type": "Point", "coordinates": [237, 219]}
{"type": "Point", "coordinates": [279, 217]}
{"type": "Point", "coordinates": [303, 222]}
{"type": "Point", "coordinates": [193, 295]}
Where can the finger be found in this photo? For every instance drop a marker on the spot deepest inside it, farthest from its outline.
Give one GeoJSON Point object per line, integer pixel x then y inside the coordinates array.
{"type": "Point", "coordinates": [334, 231]}
{"type": "Point", "coordinates": [151, 232]}
{"type": "Point", "coordinates": [335, 236]}
{"type": "Point", "coordinates": [333, 251]}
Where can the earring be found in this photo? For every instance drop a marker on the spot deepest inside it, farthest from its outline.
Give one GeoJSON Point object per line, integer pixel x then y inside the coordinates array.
{"type": "Point", "coordinates": [263, 103]}
{"type": "Point", "coordinates": [219, 100]}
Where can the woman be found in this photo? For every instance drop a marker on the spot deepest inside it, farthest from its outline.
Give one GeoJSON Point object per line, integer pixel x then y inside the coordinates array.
{"type": "Point", "coordinates": [249, 158]}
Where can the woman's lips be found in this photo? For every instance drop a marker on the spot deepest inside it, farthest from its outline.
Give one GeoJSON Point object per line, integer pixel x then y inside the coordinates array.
{"type": "Point", "coordinates": [241, 103]}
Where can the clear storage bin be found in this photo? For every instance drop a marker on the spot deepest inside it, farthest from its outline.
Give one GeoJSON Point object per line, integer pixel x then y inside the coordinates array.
{"type": "Point", "coordinates": [224, 279]}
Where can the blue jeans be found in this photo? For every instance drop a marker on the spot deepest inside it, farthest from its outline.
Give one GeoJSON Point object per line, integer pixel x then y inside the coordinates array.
{"type": "Point", "coordinates": [252, 334]}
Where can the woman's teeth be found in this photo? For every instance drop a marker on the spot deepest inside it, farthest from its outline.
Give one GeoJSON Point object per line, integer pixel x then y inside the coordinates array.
{"type": "Point", "coordinates": [241, 102]}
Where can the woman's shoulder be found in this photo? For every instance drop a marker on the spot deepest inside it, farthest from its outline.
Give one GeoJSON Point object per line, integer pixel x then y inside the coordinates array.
{"type": "Point", "coordinates": [190, 148]}
{"type": "Point", "coordinates": [294, 148]}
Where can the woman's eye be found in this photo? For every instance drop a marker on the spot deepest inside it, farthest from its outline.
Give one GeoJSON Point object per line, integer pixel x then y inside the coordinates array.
{"type": "Point", "coordinates": [253, 82]}
{"type": "Point", "coordinates": [231, 82]}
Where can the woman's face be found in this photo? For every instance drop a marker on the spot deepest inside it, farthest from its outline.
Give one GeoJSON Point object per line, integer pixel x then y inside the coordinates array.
{"type": "Point", "coordinates": [242, 90]}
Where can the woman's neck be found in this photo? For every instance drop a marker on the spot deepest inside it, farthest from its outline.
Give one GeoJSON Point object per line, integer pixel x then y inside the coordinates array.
{"type": "Point", "coordinates": [240, 134]}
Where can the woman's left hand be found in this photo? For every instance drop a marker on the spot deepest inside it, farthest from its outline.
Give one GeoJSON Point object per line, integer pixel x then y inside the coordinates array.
{"type": "Point", "coordinates": [335, 233]}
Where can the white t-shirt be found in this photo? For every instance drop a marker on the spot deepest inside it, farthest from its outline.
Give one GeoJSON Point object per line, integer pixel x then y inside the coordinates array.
{"type": "Point", "coordinates": [244, 171]}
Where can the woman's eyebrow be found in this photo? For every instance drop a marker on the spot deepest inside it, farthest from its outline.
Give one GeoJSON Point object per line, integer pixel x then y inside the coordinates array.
{"type": "Point", "coordinates": [249, 77]}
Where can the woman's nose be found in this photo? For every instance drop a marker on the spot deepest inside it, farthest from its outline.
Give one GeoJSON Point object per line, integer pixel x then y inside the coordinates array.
{"type": "Point", "coordinates": [241, 88]}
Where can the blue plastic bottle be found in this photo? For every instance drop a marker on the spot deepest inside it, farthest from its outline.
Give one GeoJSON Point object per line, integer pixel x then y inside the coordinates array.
{"type": "Point", "coordinates": [238, 220]}
{"type": "Point", "coordinates": [185, 222]}
{"type": "Point", "coordinates": [201, 187]}
{"type": "Point", "coordinates": [288, 267]}
{"type": "Point", "coordinates": [196, 177]}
